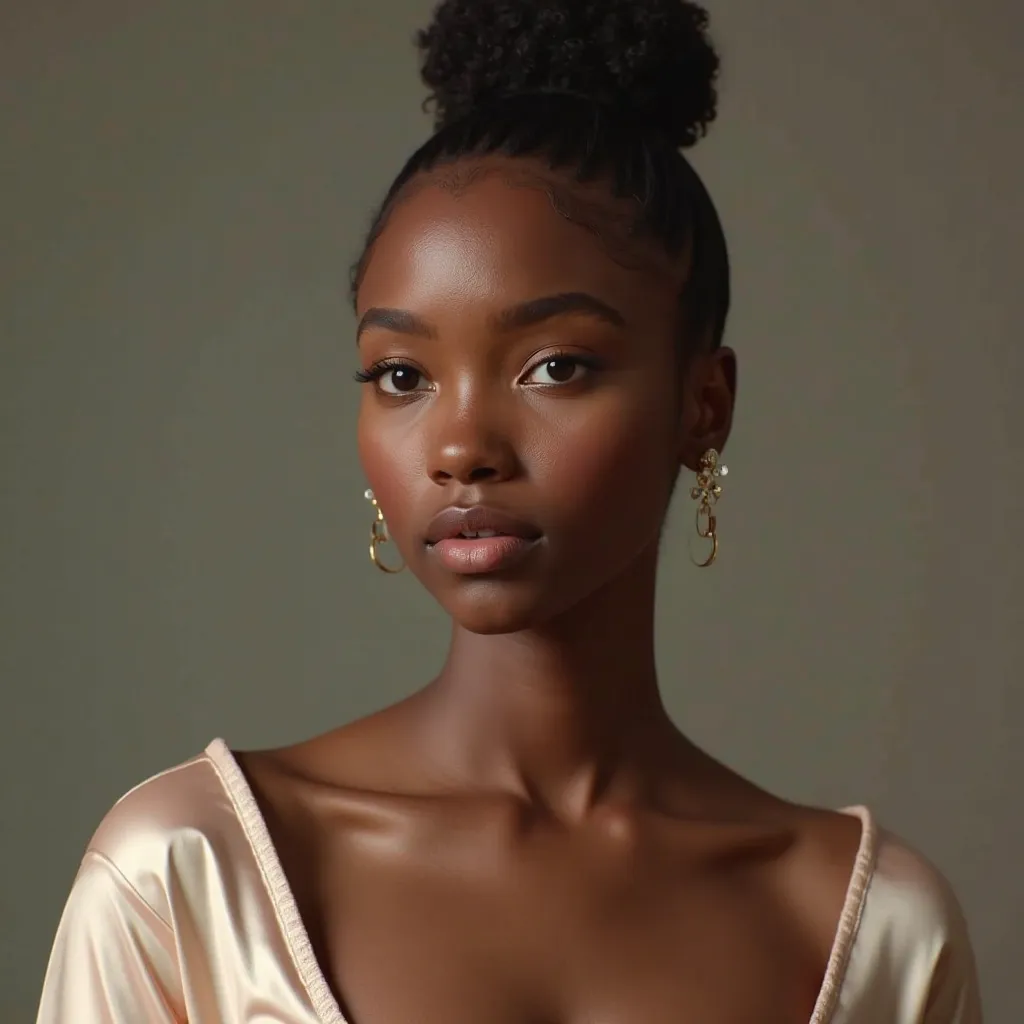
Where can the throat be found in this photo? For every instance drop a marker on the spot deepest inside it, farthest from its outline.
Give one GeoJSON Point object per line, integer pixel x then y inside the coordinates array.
{"type": "Point", "coordinates": [505, 715]}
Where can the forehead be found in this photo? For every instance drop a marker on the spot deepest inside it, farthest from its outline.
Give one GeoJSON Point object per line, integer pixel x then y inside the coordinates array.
{"type": "Point", "coordinates": [499, 232]}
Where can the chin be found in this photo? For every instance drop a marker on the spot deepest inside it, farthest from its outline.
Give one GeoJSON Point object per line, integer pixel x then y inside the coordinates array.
{"type": "Point", "coordinates": [514, 602]}
{"type": "Point", "coordinates": [491, 608]}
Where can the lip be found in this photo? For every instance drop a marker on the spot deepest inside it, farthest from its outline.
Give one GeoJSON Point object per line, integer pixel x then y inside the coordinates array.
{"type": "Point", "coordinates": [513, 539]}
{"type": "Point", "coordinates": [453, 522]}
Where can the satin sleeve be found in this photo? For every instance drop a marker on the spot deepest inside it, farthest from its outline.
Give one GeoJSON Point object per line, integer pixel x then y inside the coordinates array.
{"type": "Point", "coordinates": [954, 995]}
{"type": "Point", "coordinates": [912, 961]}
{"type": "Point", "coordinates": [113, 959]}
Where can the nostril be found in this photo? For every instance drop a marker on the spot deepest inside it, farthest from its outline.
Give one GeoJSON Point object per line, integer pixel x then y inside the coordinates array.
{"type": "Point", "coordinates": [482, 473]}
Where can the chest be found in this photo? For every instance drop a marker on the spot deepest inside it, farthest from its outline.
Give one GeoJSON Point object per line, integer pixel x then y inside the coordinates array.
{"type": "Point", "coordinates": [560, 937]}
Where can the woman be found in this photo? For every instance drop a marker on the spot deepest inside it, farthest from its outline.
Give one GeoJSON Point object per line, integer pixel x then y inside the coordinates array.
{"type": "Point", "coordinates": [528, 839]}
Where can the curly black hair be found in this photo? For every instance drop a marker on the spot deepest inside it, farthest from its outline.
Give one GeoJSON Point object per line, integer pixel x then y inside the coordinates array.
{"type": "Point", "coordinates": [600, 91]}
{"type": "Point", "coordinates": [652, 57]}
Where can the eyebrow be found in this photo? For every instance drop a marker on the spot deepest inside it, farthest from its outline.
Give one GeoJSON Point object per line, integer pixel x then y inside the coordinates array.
{"type": "Point", "coordinates": [526, 314]}
{"type": "Point", "coordinates": [536, 311]}
{"type": "Point", "coordinates": [399, 321]}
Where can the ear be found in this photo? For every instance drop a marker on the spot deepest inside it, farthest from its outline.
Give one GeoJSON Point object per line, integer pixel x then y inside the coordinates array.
{"type": "Point", "coordinates": [709, 395]}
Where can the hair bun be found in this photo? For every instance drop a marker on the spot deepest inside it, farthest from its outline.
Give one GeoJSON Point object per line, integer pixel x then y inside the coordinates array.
{"type": "Point", "coordinates": [652, 57]}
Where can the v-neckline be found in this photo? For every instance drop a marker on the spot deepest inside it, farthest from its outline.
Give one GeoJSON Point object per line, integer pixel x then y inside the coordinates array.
{"type": "Point", "coordinates": [325, 1005]}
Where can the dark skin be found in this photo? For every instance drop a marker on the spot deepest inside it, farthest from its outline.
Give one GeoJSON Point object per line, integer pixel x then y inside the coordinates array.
{"type": "Point", "coordinates": [529, 839]}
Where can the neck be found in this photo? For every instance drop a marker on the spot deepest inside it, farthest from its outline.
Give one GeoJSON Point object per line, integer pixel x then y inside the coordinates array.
{"type": "Point", "coordinates": [563, 715]}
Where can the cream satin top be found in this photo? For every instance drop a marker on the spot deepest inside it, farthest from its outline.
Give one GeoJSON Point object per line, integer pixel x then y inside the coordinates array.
{"type": "Point", "coordinates": [180, 912]}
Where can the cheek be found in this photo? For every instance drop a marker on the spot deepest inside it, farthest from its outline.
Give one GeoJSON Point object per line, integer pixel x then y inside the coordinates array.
{"type": "Point", "coordinates": [607, 460]}
{"type": "Point", "coordinates": [392, 466]}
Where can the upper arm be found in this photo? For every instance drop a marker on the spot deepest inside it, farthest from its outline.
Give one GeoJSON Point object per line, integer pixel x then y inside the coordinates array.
{"type": "Point", "coordinates": [113, 960]}
{"type": "Point", "coordinates": [953, 994]}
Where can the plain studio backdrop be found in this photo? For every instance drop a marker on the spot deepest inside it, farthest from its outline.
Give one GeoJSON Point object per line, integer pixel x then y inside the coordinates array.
{"type": "Point", "coordinates": [184, 537]}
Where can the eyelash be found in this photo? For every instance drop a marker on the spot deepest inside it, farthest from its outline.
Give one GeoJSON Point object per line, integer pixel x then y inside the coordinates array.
{"type": "Point", "coordinates": [379, 369]}
{"type": "Point", "coordinates": [559, 355]}
{"type": "Point", "coordinates": [375, 372]}
{"type": "Point", "coordinates": [589, 363]}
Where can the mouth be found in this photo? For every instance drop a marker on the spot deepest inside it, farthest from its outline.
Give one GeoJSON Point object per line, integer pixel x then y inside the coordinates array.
{"type": "Point", "coordinates": [477, 540]}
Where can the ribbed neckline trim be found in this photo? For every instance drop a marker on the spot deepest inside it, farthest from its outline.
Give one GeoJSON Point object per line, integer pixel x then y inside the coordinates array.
{"type": "Point", "coordinates": [849, 922]}
{"type": "Point", "coordinates": [292, 927]}
{"type": "Point", "coordinates": [319, 991]}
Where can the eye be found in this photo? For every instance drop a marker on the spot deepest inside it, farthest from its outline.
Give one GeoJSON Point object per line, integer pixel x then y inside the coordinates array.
{"type": "Point", "coordinates": [558, 370]}
{"type": "Point", "coordinates": [400, 380]}
{"type": "Point", "coordinates": [394, 378]}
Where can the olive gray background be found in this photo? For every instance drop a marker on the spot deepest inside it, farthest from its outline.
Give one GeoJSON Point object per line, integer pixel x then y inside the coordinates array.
{"type": "Point", "coordinates": [182, 188]}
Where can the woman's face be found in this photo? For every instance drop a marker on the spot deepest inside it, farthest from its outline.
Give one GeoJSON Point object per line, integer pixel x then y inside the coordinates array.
{"type": "Point", "coordinates": [528, 385]}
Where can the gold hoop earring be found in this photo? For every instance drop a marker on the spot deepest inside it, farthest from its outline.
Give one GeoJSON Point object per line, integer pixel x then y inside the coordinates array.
{"type": "Point", "coordinates": [379, 535]}
{"type": "Point", "coordinates": [706, 493]}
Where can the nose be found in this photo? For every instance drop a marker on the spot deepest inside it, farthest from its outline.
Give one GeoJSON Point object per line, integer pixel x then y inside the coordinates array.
{"type": "Point", "coordinates": [469, 444]}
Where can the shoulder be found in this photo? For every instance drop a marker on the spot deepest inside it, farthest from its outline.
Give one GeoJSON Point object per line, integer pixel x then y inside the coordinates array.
{"type": "Point", "coordinates": [888, 882]}
{"type": "Point", "coordinates": [170, 889]}
{"type": "Point", "coordinates": [911, 939]}
{"type": "Point", "coordinates": [158, 833]}
{"type": "Point", "coordinates": [886, 918]}
{"type": "Point", "coordinates": [910, 900]}
{"type": "Point", "coordinates": [173, 807]}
